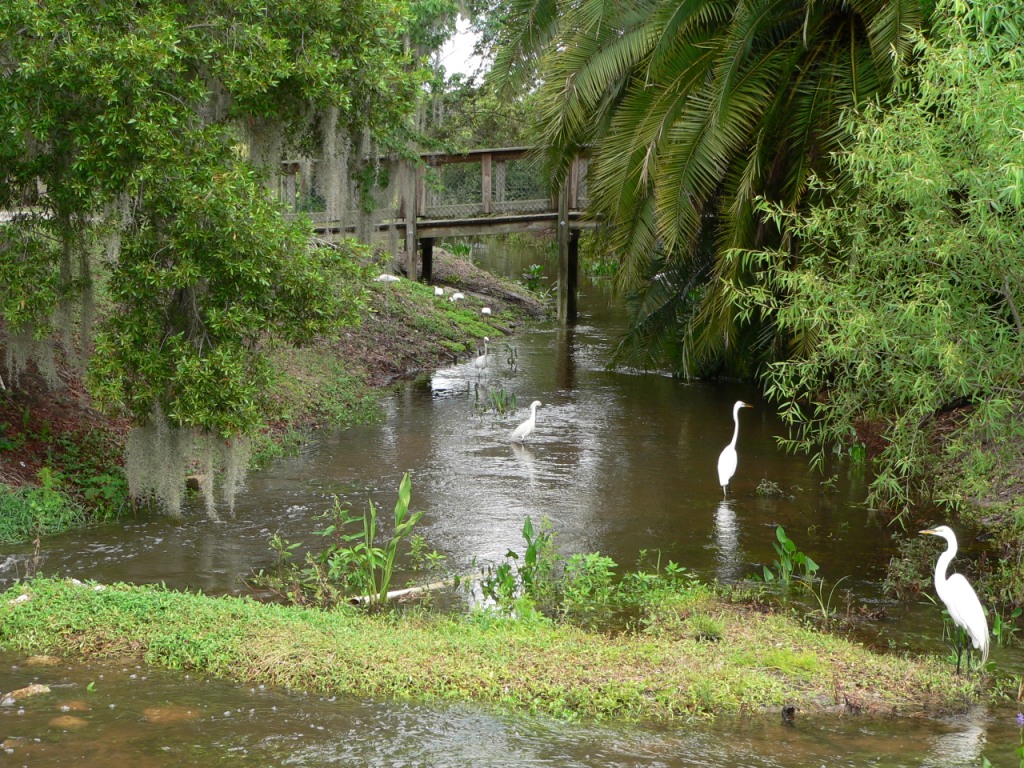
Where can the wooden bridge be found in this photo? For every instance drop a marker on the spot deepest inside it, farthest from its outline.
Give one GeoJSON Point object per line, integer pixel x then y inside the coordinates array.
{"type": "Point", "coordinates": [481, 192]}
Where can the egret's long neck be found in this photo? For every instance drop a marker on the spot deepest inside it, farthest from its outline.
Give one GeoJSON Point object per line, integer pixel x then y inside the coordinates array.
{"type": "Point", "coordinates": [943, 564]}
{"type": "Point", "coordinates": [736, 429]}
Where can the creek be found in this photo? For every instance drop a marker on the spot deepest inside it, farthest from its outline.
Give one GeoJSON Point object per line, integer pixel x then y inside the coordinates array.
{"type": "Point", "coordinates": [620, 462]}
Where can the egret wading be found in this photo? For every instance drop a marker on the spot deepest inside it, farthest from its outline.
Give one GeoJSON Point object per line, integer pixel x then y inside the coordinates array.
{"type": "Point", "coordinates": [481, 360]}
{"type": "Point", "coordinates": [960, 598]}
{"type": "Point", "coordinates": [727, 458]}
{"type": "Point", "coordinates": [525, 429]}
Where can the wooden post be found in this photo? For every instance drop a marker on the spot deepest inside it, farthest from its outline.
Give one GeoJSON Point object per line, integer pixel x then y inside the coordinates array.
{"type": "Point", "coordinates": [428, 258]}
{"type": "Point", "coordinates": [568, 257]}
{"type": "Point", "coordinates": [574, 271]}
{"type": "Point", "coordinates": [409, 210]}
{"type": "Point", "coordinates": [485, 182]}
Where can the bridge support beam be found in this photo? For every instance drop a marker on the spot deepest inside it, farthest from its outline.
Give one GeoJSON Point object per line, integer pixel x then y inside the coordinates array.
{"type": "Point", "coordinates": [427, 244]}
{"type": "Point", "coordinates": [568, 261]}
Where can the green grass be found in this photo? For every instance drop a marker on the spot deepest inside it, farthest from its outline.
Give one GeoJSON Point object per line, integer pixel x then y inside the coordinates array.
{"type": "Point", "coordinates": [32, 511]}
{"type": "Point", "coordinates": [528, 664]}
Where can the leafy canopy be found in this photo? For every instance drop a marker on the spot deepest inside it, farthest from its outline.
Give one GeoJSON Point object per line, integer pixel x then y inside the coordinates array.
{"type": "Point", "coordinates": [690, 111]}
{"type": "Point", "coordinates": [128, 138]}
{"type": "Point", "coordinates": [910, 289]}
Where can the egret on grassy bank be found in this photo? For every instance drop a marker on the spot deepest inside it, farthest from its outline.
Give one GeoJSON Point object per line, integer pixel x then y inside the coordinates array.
{"type": "Point", "coordinates": [525, 429]}
{"type": "Point", "coordinates": [960, 598]}
{"type": "Point", "coordinates": [727, 458]}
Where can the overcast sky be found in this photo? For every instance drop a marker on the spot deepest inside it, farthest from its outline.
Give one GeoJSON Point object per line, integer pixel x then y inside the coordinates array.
{"type": "Point", "coordinates": [456, 54]}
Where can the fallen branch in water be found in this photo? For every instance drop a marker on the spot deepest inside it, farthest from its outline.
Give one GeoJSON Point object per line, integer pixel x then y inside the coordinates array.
{"type": "Point", "coordinates": [396, 593]}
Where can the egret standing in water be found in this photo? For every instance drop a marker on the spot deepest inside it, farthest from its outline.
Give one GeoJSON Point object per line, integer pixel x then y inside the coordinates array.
{"type": "Point", "coordinates": [525, 429]}
{"type": "Point", "coordinates": [481, 360]}
{"type": "Point", "coordinates": [960, 598]}
{"type": "Point", "coordinates": [727, 458]}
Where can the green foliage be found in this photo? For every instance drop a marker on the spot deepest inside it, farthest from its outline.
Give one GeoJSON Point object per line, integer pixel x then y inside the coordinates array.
{"type": "Point", "coordinates": [790, 562]}
{"type": "Point", "coordinates": [530, 576]}
{"type": "Point", "coordinates": [500, 401]}
{"type": "Point", "coordinates": [32, 511]}
{"type": "Point", "coordinates": [512, 664]}
{"type": "Point", "coordinates": [352, 563]}
{"type": "Point", "coordinates": [587, 587]}
{"type": "Point", "coordinates": [903, 299]}
{"type": "Point", "coordinates": [688, 113]}
{"type": "Point", "coordinates": [1005, 630]}
{"type": "Point", "coordinates": [532, 276]}
{"type": "Point", "coordinates": [150, 127]}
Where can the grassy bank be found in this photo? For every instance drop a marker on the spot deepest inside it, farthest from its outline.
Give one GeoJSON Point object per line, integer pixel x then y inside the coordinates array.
{"type": "Point", "coordinates": [753, 663]}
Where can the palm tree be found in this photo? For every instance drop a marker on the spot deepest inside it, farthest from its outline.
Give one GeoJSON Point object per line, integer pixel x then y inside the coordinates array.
{"type": "Point", "coordinates": [692, 111]}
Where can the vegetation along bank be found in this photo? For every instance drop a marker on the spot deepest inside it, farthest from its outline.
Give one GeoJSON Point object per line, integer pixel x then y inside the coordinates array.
{"type": "Point", "coordinates": [693, 655]}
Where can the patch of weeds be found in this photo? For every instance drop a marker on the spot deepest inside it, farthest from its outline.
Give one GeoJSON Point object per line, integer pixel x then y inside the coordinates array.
{"type": "Point", "coordinates": [706, 628]}
{"type": "Point", "coordinates": [530, 576]}
{"type": "Point", "coordinates": [1004, 630]}
{"type": "Point", "coordinates": [770, 488]}
{"type": "Point", "coordinates": [826, 613]}
{"type": "Point", "coordinates": [10, 440]}
{"type": "Point", "coordinates": [33, 511]}
{"type": "Point", "coordinates": [587, 588]}
{"type": "Point", "coordinates": [501, 402]}
{"type": "Point", "coordinates": [267, 447]}
{"type": "Point", "coordinates": [352, 564]}
{"type": "Point", "coordinates": [910, 571]}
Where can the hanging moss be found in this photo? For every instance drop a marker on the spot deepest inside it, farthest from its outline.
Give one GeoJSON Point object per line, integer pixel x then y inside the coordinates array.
{"type": "Point", "coordinates": [159, 457]}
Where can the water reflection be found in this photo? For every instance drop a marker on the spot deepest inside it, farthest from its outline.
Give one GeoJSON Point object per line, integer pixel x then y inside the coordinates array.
{"type": "Point", "coordinates": [727, 541]}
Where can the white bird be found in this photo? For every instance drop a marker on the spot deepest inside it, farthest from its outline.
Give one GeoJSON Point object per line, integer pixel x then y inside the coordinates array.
{"type": "Point", "coordinates": [481, 361]}
{"type": "Point", "coordinates": [438, 290]}
{"type": "Point", "coordinates": [485, 310]}
{"type": "Point", "coordinates": [960, 598]}
{"type": "Point", "coordinates": [524, 430]}
{"type": "Point", "coordinates": [727, 458]}
{"type": "Point", "coordinates": [456, 296]}
{"type": "Point", "coordinates": [386, 278]}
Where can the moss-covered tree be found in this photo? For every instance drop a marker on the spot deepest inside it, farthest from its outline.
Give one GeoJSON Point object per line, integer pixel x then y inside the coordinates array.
{"type": "Point", "coordinates": [137, 136]}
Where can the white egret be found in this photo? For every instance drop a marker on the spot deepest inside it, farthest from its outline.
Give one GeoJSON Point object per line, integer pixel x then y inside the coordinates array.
{"type": "Point", "coordinates": [386, 278]}
{"type": "Point", "coordinates": [524, 430]}
{"type": "Point", "coordinates": [438, 290]}
{"type": "Point", "coordinates": [485, 310]}
{"type": "Point", "coordinates": [457, 296]}
{"type": "Point", "coordinates": [960, 598]}
{"type": "Point", "coordinates": [727, 458]}
{"type": "Point", "coordinates": [481, 360]}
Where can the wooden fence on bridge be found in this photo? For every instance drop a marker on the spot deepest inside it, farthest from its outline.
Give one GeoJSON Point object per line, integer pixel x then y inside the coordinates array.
{"type": "Point", "coordinates": [481, 192]}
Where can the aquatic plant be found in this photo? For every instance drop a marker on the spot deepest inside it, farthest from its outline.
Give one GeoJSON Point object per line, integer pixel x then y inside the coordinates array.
{"type": "Point", "coordinates": [532, 276]}
{"type": "Point", "coordinates": [790, 560]}
{"type": "Point", "coordinates": [353, 564]}
{"type": "Point", "coordinates": [529, 576]}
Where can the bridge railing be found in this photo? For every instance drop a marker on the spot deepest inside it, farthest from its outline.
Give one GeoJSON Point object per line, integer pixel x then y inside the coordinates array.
{"type": "Point", "coordinates": [478, 183]}
{"type": "Point", "coordinates": [482, 183]}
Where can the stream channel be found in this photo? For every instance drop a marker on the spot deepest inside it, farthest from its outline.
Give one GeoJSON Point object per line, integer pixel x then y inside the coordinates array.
{"type": "Point", "coordinates": [620, 463]}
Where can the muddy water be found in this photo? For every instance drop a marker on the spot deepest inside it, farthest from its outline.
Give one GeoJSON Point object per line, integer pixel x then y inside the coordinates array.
{"type": "Point", "coordinates": [114, 716]}
{"type": "Point", "coordinates": [620, 463]}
